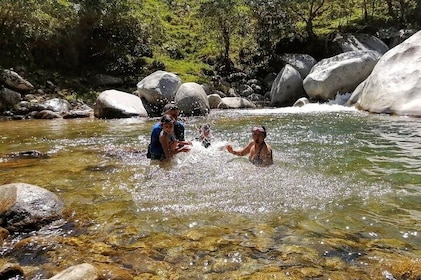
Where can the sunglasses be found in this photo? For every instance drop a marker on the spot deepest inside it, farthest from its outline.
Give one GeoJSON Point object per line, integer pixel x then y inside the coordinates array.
{"type": "Point", "coordinates": [258, 129]}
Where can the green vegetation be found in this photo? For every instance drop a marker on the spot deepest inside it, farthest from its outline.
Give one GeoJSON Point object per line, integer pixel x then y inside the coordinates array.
{"type": "Point", "coordinates": [132, 38]}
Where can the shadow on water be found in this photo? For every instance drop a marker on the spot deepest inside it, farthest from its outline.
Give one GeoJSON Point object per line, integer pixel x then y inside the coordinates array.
{"type": "Point", "coordinates": [343, 189]}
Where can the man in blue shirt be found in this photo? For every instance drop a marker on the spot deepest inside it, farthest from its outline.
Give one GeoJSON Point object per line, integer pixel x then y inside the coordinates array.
{"type": "Point", "coordinates": [155, 149]}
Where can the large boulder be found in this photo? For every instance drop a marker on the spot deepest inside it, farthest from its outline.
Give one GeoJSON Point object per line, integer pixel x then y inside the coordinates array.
{"type": "Point", "coordinates": [192, 100]}
{"type": "Point", "coordinates": [15, 81]}
{"type": "Point", "coordinates": [301, 62]}
{"type": "Point", "coordinates": [158, 89]}
{"type": "Point", "coordinates": [118, 104]}
{"type": "Point", "coordinates": [394, 86]}
{"type": "Point", "coordinates": [24, 207]}
{"type": "Point", "coordinates": [236, 103]}
{"type": "Point", "coordinates": [287, 87]}
{"type": "Point", "coordinates": [360, 42]}
{"type": "Point", "coordinates": [8, 99]}
{"type": "Point", "coordinates": [214, 101]}
{"type": "Point", "coordinates": [58, 105]}
{"type": "Point", "coordinates": [339, 74]}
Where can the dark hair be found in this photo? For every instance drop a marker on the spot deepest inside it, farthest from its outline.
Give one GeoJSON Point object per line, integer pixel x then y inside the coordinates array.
{"type": "Point", "coordinates": [167, 119]}
{"type": "Point", "coordinates": [264, 128]}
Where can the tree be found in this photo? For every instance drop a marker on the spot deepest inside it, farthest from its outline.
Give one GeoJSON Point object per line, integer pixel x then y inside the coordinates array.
{"type": "Point", "coordinates": [308, 11]}
{"type": "Point", "coordinates": [272, 22]}
{"type": "Point", "coordinates": [226, 17]}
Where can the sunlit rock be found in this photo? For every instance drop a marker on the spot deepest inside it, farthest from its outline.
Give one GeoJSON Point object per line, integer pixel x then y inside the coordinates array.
{"type": "Point", "coordinates": [158, 89]}
{"type": "Point", "coordinates": [15, 81]}
{"type": "Point", "coordinates": [301, 62]}
{"type": "Point", "coordinates": [360, 42]}
{"type": "Point", "coordinates": [118, 104]}
{"type": "Point", "coordinates": [287, 87]}
{"type": "Point", "coordinates": [301, 102]}
{"type": "Point", "coordinates": [214, 101]}
{"type": "Point", "coordinates": [192, 100]}
{"type": "Point", "coordinates": [83, 271]}
{"type": "Point", "coordinates": [394, 86]}
{"type": "Point", "coordinates": [25, 207]}
{"type": "Point", "coordinates": [339, 74]}
{"type": "Point", "coordinates": [236, 103]}
{"type": "Point", "coordinates": [58, 105]}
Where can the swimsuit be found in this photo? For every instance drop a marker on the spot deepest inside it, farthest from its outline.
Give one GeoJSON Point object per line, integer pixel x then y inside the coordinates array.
{"type": "Point", "coordinates": [257, 160]}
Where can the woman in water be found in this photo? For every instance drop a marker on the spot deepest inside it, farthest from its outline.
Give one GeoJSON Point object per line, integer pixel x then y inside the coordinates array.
{"type": "Point", "coordinates": [260, 153]}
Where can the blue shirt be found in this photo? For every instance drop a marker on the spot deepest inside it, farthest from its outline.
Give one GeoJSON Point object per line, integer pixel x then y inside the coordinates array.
{"type": "Point", "coordinates": [156, 149]}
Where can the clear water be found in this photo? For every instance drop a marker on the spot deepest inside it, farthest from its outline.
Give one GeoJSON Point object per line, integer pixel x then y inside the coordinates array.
{"type": "Point", "coordinates": [342, 200]}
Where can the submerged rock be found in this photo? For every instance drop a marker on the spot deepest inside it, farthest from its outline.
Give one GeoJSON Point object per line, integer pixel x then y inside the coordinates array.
{"type": "Point", "coordinates": [83, 271]}
{"type": "Point", "coordinates": [24, 207]}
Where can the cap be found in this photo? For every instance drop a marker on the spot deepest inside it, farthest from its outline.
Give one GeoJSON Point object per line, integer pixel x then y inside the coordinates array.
{"type": "Point", "coordinates": [261, 129]}
{"type": "Point", "coordinates": [169, 107]}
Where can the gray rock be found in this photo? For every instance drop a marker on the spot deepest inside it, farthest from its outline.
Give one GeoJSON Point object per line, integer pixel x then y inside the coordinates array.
{"type": "Point", "coordinates": [192, 100]}
{"type": "Point", "coordinates": [24, 207]}
{"type": "Point", "coordinates": [58, 105]}
{"type": "Point", "coordinates": [236, 103]}
{"type": "Point", "coordinates": [158, 89]}
{"type": "Point", "coordinates": [301, 102]}
{"type": "Point", "coordinates": [394, 86]}
{"type": "Point", "coordinates": [118, 104]}
{"type": "Point", "coordinates": [360, 42]}
{"type": "Point", "coordinates": [8, 99]}
{"type": "Point", "coordinates": [287, 87]}
{"type": "Point", "coordinates": [301, 62]}
{"type": "Point", "coordinates": [15, 81]}
{"type": "Point", "coordinates": [83, 271]}
{"type": "Point", "coordinates": [339, 74]}
{"type": "Point", "coordinates": [215, 101]}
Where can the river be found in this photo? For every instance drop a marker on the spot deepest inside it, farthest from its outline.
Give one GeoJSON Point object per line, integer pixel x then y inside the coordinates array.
{"type": "Point", "coordinates": [341, 201]}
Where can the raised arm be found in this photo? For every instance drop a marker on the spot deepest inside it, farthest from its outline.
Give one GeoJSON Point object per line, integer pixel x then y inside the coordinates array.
{"type": "Point", "coordinates": [241, 152]}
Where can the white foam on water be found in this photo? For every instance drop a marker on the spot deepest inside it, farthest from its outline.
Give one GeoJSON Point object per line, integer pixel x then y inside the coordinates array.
{"type": "Point", "coordinates": [308, 108]}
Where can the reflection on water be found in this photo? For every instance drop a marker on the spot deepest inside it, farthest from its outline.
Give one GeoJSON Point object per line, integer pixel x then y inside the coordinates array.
{"type": "Point", "coordinates": [342, 194]}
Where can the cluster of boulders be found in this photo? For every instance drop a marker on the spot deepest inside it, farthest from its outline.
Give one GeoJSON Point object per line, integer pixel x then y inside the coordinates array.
{"type": "Point", "coordinates": [380, 79]}
{"type": "Point", "coordinates": [19, 99]}
{"type": "Point", "coordinates": [366, 68]}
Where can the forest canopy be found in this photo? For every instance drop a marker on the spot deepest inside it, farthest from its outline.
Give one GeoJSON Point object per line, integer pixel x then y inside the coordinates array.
{"type": "Point", "coordinates": [131, 37]}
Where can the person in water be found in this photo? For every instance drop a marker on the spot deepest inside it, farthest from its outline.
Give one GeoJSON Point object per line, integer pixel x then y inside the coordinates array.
{"type": "Point", "coordinates": [205, 135]}
{"type": "Point", "coordinates": [155, 150]}
{"type": "Point", "coordinates": [260, 153]}
{"type": "Point", "coordinates": [170, 145]}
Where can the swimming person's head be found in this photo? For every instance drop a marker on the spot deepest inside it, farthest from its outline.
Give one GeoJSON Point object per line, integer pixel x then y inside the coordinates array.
{"type": "Point", "coordinates": [167, 122]}
{"type": "Point", "coordinates": [205, 130]}
{"type": "Point", "coordinates": [172, 110]}
{"type": "Point", "coordinates": [259, 134]}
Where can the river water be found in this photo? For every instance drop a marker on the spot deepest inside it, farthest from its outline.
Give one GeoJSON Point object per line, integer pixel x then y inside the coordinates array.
{"type": "Point", "coordinates": [342, 200]}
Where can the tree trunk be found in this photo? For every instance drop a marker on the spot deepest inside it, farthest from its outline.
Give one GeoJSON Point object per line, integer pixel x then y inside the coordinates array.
{"type": "Point", "coordinates": [417, 14]}
{"type": "Point", "coordinates": [391, 11]}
